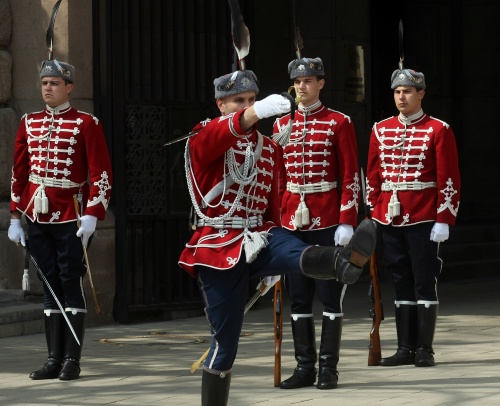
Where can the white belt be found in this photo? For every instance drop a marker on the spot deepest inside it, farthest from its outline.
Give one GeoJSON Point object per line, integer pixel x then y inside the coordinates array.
{"type": "Point", "coordinates": [388, 186]}
{"type": "Point", "coordinates": [233, 222]}
{"type": "Point", "coordinates": [51, 182]}
{"type": "Point", "coordinates": [310, 187]}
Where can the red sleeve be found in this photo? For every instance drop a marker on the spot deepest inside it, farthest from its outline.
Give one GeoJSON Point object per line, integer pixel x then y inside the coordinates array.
{"type": "Point", "coordinates": [100, 172]}
{"type": "Point", "coordinates": [20, 170]}
{"type": "Point", "coordinates": [216, 138]}
{"type": "Point", "coordinates": [373, 180]}
{"type": "Point", "coordinates": [347, 156]}
{"type": "Point", "coordinates": [447, 177]}
{"type": "Point", "coordinates": [273, 212]}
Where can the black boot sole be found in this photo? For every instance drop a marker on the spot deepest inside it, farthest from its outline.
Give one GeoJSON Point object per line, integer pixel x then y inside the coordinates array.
{"type": "Point", "coordinates": [363, 243]}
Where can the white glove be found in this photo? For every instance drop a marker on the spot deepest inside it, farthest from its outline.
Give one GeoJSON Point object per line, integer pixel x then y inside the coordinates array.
{"type": "Point", "coordinates": [87, 227]}
{"type": "Point", "coordinates": [440, 232]}
{"type": "Point", "coordinates": [16, 232]}
{"type": "Point", "coordinates": [271, 106]}
{"type": "Point", "coordinates": [343, 234]}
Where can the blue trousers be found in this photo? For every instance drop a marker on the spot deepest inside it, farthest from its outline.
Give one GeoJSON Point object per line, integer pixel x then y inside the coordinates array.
{"type": "Point", "coordinates": [225, 293]}
{"type": "Point", "coordinates": [301, 288]}
{"type": "Point", "coordinates": [412, 260]}
{"type": "Point", "coordinates": [59, 254]}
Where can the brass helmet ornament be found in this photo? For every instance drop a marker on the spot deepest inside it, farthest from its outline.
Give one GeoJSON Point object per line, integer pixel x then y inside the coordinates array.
{"type": "Point", "coordinates": [298, 97]}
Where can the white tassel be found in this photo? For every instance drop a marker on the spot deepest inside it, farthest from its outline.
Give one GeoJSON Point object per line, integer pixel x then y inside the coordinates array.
{"type": "Point", "coordinates": [283, 136]}
{"type": "Point", "coordinates": [45, 202]}
{"type": "Point", "coordinates": [394, 206]}
{"type": "Point", "coordinates": [297, 221]}
{"type": "Point", "coordinates": [38, 204]}
{"type": "Point", "coordinates": [26, 280]}
{"type": "Point", "coordinates": [253, 243]}
{"type": "Point", "coordinates": [304, 212]}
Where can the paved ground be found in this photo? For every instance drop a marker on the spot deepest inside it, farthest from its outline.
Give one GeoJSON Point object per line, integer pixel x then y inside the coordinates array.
{"type": "Point", "coordinates": [148, 364]}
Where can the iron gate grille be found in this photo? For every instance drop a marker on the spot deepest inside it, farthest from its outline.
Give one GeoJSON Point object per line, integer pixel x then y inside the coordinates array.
{"type": "Point", "coordinates": [155, 61]}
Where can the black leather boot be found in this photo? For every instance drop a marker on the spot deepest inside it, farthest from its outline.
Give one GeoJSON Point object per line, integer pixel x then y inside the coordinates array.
{"type": "Point", "coordinates": [342, 263]}
{"type": "Point", "coordinates": [54, 334]}
{"type": "Point", "coordinates": [304, 342]}
{"type": "Point", "coordinates": [427, 317]}
{"type": "Point", "coordinates": [72, 350]}
{"type": "Point", "coordinates": [406, 328]}
{"type": "Point", "coordinates": [215, 388]}
{"type": "Point", "coordinates": [329, 353]}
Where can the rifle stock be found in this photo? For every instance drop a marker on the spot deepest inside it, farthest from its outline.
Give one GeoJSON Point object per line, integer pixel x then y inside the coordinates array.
{"type": "Point", "coordinates": [278, 331]}
{"type": "Point", "coordinates": [376, 313]}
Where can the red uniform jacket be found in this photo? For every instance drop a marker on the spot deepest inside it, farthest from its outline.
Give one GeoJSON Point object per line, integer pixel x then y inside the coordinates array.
{"type": "Point", "coordinates": [322, 148]}
{"type": "Point", "coordinates": [56, 151]}
{"type": "Point", "coordinates": [209, 159]}
{"type": "Point", "coordinates": [422, 164]}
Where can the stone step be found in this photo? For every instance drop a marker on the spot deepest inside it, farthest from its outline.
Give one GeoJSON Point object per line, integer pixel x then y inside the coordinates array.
{"type": "Point", "coordinates": [19, 317]}
{"type": "Point", "coordinates": [9, 295]}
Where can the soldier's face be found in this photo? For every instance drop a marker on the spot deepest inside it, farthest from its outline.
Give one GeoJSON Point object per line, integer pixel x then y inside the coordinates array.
{"type": "Point", "coordinates": [55, 91]}
{"type": "Point", "coordinates": [408, 99]}
{"type": "Point", "coordinates": [308, 87]}
{"type": "Point", "coordinates": [236, 102]}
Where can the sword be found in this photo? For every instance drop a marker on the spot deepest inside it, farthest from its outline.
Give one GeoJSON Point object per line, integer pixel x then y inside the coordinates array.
{"type": "Point", "coordinates": [78, 223]}
{"type": "Point", "coordinates": [54, 296]}
{"type": "Point", "coordinates": [262, 289]}
{"type": "Point", "coordinates": [181, 138]}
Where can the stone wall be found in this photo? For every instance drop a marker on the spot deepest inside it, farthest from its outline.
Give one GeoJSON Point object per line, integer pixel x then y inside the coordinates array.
{"type": "Point", "coordinates": [23, 24]}
{"type": "Point", "coordinates": [9, 121]}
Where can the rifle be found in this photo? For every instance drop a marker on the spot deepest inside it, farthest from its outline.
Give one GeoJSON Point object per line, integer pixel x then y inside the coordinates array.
{"type": "Point", "coordinates": [278, 331]}
{"type": "Point", "coordinates": [376, 313]}
{"type": "Point", "coordinates": [376, 310]}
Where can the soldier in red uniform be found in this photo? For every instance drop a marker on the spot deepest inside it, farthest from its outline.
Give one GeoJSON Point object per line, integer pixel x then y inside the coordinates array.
{"type": "Point", "coordinates": [56, 151]}
{"type": "Point", "coordinates": [320, 206]}
{"type": "Point", "coordinates": [235, 176]}
{"type": "Point", "coordinates": [413, 188]}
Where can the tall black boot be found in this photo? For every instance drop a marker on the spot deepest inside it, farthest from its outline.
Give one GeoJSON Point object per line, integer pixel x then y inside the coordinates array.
{"type": "Point", "coordinates": [406, 328]}
{"type": "Point", "coordinates": [427, 318]}
{"type": "Point", "coordinates": [54, 334]}
{"type": "Point", "coordinates": [304, 342]}
{"type": "Point", "coordinates": [329, 353]}
{"type": "Point", "coordinates": [73, 350]}
{"type": "Point", "coordinates": [342, 263]}
{"type": "Point", "coordinates": [215, 388]}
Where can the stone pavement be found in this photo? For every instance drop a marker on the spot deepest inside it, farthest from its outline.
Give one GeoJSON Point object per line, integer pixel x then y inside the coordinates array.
{"type": "Point", "coordinates": [148, 364]}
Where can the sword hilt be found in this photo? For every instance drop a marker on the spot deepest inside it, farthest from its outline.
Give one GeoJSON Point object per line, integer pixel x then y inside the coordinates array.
{"type": "Point", "coordinates": [77, 210]}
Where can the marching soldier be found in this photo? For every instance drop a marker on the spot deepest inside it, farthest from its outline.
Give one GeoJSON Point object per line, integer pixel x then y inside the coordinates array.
{"type": "Point", "coordinates": [57, 149]}
{"type": "Point", "coordinates": [413, 188]}
{"type": "Point", "coordinates": [234, 176]}
{"type": "Point", "coordinates": [320, 206]}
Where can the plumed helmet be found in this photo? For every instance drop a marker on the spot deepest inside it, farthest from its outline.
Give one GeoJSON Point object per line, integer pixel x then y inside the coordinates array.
{"type": "Point", "coordinates": [52, 67]}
